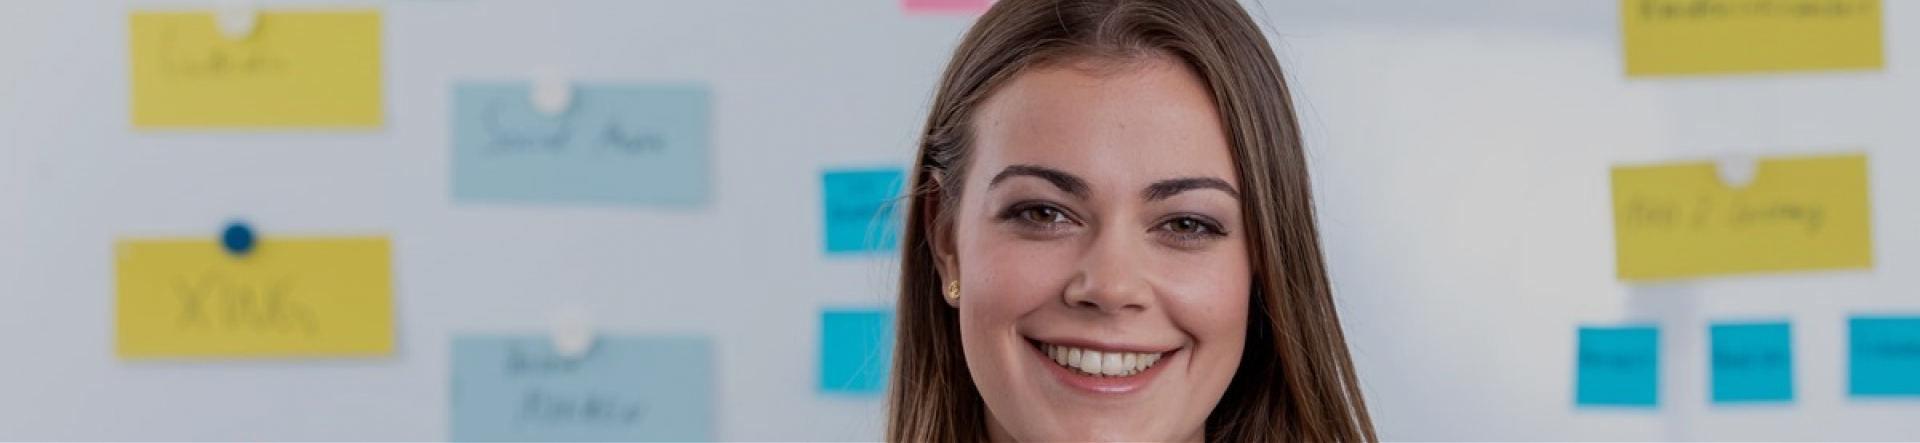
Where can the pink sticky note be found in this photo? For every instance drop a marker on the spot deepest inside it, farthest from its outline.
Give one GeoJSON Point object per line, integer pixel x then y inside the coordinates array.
{"type": "Point", "coordinates": [945, 6]}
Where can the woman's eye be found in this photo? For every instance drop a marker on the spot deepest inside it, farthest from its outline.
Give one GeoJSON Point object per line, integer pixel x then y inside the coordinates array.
{"type": "Point", "coordinates": [1037, 216]}
{"type": "Point", "coordinates": [1186, 226]}
{"type": "Point", "coordinates": [1191, 228]}
{"type": "Point", "coordinates": [1043, 215]}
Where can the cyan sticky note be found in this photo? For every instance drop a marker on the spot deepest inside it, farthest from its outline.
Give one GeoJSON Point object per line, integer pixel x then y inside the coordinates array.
{"type": "Point", "coordinates": [1618, 366]}
{"type": "Point", "coordinates": [861, 214]}
{"type": "Point", "coordinates": [625, 388]}
{"type": "Point", "coordinates": [1884, 356]}
{"type": "Point", "coordinates": [1751, 362]}
{"type": "Point", "coordinates": [615, 144]}
{"type": "Point", "coordinates": [856, 350]}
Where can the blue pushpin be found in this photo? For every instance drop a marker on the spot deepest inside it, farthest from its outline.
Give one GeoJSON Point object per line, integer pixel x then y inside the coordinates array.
{"type": "Point", "coordinates": [238, 238]}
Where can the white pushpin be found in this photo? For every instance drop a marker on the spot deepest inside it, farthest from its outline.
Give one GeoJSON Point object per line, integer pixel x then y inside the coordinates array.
{"type": "Point", "coordinates": [236, 19]}
{"type": "Point", "coordinates": [1737, 170]}
{"type": "Point", "coordinates": [572, 333]}
{"type": "Point", "coordinates": [552, 93]}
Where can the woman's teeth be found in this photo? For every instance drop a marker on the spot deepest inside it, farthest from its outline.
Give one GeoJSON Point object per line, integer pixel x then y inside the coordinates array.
{"type": "Point", "coordinates": [1105, 364]}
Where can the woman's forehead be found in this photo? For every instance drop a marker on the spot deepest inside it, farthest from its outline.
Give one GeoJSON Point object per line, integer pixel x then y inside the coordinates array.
{"type": "Point", "coordinates": [1151, 121]}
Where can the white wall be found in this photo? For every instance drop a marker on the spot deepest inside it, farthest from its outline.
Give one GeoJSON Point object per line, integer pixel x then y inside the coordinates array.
{"type": "Point", "coordinates": [1463, 152]}
{"type": "Point", "coordinates": [1461, 149]}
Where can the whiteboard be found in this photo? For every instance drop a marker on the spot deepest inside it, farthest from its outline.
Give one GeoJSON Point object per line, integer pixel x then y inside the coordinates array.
{"type": "Point", "coordinates": [1460, 151]}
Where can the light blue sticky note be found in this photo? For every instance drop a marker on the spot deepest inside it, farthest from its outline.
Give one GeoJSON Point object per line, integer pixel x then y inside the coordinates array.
{"type": "Point", "coordinates": [1884, 356]}
{"type": "Point", "coordinates": [861, 216]}
{"type": "Point", "coordinates": [856, 350]}
{"type": "Point", "coordinates": [1618, 366]}
{"type": "Point", "coordinates": [1751, 362]}
{"type": "Point", "coordinates": [615, 144]}
{"type": "Point", "coordinates": [626, 388]}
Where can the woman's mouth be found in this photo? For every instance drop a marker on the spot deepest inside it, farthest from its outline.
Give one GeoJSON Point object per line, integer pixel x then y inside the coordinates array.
{"type": "Point", "coordinates": [1100, 363]}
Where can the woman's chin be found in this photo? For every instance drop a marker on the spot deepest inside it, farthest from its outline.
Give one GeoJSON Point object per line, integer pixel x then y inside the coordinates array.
{"type": "Point", "coordinates": [1105, 430]}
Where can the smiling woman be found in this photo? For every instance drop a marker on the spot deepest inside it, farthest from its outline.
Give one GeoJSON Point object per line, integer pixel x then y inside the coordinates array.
{"type": "Point", "coordinates": [1111, 237]}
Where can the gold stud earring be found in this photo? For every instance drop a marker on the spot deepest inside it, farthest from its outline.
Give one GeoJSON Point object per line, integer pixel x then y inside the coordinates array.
{"type": "Point", "coordinates": [953, 291]}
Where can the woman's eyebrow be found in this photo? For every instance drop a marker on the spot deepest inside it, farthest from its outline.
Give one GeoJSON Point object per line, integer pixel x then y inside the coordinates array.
{"type": "Point", "coordinates": [1168, 188]}
{"type": "Point", "coordinates": [1061, 179]}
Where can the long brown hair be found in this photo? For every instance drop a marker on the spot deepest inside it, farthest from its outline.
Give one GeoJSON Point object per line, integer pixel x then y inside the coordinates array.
{"type": "Point", "coordinates": [1295, 381]}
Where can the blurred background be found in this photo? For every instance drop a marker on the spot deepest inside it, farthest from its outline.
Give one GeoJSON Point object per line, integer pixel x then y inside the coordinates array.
{"type": "Point", "coordinates": [706, 204]}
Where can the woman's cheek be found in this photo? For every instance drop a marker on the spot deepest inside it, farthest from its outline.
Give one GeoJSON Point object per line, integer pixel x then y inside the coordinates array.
{"type": "Point", "coordinates": [1006, 256]}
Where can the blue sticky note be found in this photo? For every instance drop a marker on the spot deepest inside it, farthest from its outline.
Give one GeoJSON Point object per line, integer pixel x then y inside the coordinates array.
{"type": "Point", "coordinates": [626, 388]}
{"type": "Point", "coordinates": [1751, 362]}
{"type": "Point", "coordinates": [1618, 366]}
{"type": "Point", "coordinates": [856, 350]}
{"type": "Point", "coordinates": [1884, 356]}
{"type": "Point", "coordinates": [614, 145]}
{"type": "Point", "coordinates": [861, 216]}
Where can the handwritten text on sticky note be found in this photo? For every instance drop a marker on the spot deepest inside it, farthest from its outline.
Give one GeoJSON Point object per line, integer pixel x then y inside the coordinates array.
{"type": "Point", "coordinates": [1681, 37]}
{"type": "Point", "coordinates": [287, 297]}
{"type": "Point", "coordinates": [625, 388]}
{"type": "Point", "coordinates": [861, 211]}
{"type": "Point", "coordinates": [1884, 356]}
{"type": "Point", "coordinates": [1679, 221]}
{"type": "Point", "coordinates": [615, 144]}
{"type": "Point", "coordinates": [297, 69]}
{"type": "Point", "coordinates": [1752, 362]}
{"type": "Point", "coordinates": [1617, 366]}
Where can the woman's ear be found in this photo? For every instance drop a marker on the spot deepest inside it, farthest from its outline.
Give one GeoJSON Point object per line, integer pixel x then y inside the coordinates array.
{"type": "Point", "coordinates": [939, 231]}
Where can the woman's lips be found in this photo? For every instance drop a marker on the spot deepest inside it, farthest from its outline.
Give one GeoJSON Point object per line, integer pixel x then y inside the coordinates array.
{"type": "Point", "coordinates": [1102, 370]}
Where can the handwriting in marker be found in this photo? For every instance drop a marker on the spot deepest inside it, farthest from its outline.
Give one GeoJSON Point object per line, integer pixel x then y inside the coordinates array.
{"type": "Point", "coordinates": [628, 388]}
{"type": "Point", "coordinates": [861, 216]}
{"type": "Point", "coordinates": [592, 409]}
{"type": "Point", "coordinates": [557, 139]}
{"type": "Point", "coordinates": [1739, 213]}
{"type": "Point", "coordinates": [225, 304]}
{"type": "Point", "coordinates": [191, 297]}
{"type": "Point", "coordinates": [615, 144]}
{"type": "Point", "coordinates": [216, 61]}
{"type": "Point", "coordinates": [298, 69]}
{"type": "Point", "coordinates": [1751, 362]}
{"type": "Point", "coordinates": [616, 138]}
{"type": "Point", "coordinates": [1798, 214]}
{"type": "Point", "coordinates": [1909, 350]}
{"type": "Point", "coordinates": [522, 361]}
{"type": "Point", "coordinates": [1675, 10]}
{"type": "Point", "coordinates": [1884, 356]}
{"type": "Point", "coordinates": [1617, 366]}
{"type": "Point", "coordinates": [500, 139]}
{"type": "Point", "coordinates": [1748, 359]}
{"type": "Point", "coordinates": [1700, 37]}
{"type": "Point", "coordinates": [1609, 360]}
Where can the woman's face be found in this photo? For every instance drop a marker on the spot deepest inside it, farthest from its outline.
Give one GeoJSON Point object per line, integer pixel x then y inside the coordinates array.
{"type": "Point", "coordinates": [1102, 262]}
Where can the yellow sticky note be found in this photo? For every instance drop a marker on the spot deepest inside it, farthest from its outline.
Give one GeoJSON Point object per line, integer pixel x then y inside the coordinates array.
{"type": "Point", "coordinates": [296, 69]}
{"type": "Point", "coordinates": [1682, 37]}
{"type": "Point", "coordinates": [1681, 221]}
{"type": "Point", "coordinates": [287, 297]}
